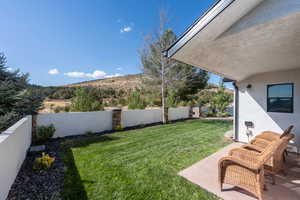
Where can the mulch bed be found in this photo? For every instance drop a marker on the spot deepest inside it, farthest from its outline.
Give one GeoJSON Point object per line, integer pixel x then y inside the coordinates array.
{"type": "Point", "coordinates": [33, 185]}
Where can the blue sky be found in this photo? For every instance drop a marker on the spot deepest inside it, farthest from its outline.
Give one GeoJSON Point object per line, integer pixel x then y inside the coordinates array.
{"type": "Point", "coordinates": [64, 41]}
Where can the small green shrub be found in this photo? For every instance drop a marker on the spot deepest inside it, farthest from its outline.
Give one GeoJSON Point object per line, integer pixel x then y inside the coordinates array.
{"type": "Point", "coordinates": [45, 133]}
{"type": "Point", "coordinates": [223, 114]}
{"type": "Point", "coordinates": [67, 108]}
{"type": "Point", "coordinates": [118, 128]}
{"type": "Point", "coordinates": [122, 102]}
{"type": "Point", "coordinates": [43, 163]}
{"type": "Point", "coordinates": [89, 132]}
{"type": "Point", "coordinates": [208, 114]}
{"type": "Point", "coordinates": [58, 109]}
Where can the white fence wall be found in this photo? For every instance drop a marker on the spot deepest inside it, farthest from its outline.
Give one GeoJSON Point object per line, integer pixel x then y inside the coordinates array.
{"type": "Point", "coordinates": [178, 113]}
{"type": "Point", "coordinates": [14, 143]}
{"type": "Point", "coordinates": [139, 117]}
{"type": "Point", "coordinates": [76, 123]}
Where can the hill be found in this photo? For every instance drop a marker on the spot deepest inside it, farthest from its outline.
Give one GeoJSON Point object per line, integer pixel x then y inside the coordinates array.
{"type": "Point", "coordinates": [121, 82]}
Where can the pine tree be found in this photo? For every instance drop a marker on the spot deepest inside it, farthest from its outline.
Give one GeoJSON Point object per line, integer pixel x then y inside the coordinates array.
{"type": "Point", "coordinates": [16, 97]}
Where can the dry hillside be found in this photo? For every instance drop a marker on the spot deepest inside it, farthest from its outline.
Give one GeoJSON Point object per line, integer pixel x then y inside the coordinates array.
{"type": "Point", "coordinates": [120, 82]}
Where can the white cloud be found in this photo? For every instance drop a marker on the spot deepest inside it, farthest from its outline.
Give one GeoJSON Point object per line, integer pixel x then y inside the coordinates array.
{"type": "Point", "coordinates": [119, 68]}
{"type": "Point", "coordinates": [126, 29]}
{"type": "Point", "coordinates": [53, 71]}
{"type": "Point", "coordinates": [97, 74]}
{"type": "Point", "coordinates": [76, 74]}
{"type": "Point", "coordinates": [113, 75]}
{"type": "Point", "coordinates": [10, 69]}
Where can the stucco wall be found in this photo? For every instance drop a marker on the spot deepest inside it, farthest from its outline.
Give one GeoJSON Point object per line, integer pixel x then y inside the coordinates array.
{"type": "Point", "coordinates": [139, 117]}
{"type": "Point", "coordinates": [253, 105]}
{"type": "Point", "coordinates": [77, 123]}
{"type": "Point", "coordinates": [178, 113]}
{"type": "Point", "coordinates": [14, 143]}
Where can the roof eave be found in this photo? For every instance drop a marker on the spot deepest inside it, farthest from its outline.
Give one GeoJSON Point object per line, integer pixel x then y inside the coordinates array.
{"type": "Point", "coordinates": [200, 24]}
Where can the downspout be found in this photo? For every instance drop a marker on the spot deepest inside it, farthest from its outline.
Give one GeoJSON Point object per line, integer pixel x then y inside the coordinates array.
{"type": "Point", "coordinates": [236, 111]}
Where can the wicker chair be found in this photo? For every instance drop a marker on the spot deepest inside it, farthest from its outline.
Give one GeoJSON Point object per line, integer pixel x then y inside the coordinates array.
{"type": "Point", "coordinates": [262, 140]}
{"type": "Point", "coordinates": [266, 137]}
{"type": "Point", "coordinates": [245, 169]}
{"type": "Point", "coordinates": [275, 164]}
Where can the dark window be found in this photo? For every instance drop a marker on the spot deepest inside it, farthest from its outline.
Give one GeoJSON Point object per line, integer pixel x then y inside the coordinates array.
{"type": "Point", "coordinates": [280, 98]}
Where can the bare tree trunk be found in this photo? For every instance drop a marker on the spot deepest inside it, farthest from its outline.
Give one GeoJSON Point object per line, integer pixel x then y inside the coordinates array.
{"type": "Point", "coordinates": [163, 88]}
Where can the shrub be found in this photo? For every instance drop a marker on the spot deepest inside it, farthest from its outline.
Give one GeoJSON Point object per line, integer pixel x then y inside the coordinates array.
{"type": "Point", "coordinates": [172, 100]}
{"type": "Point", "coordinates": [45, 133]}
{"type": "Point", "coordinates": [43, 163]}
{"type": "Point", "coordinates": [223, 114]}
{"type": "Point", "coordinates": [118, 128]}
{"type": "Point", "coordinates": [122, 102]}
{"type": "Point", "coordinates": [136, 101]}
{"type": "Point", "coordinates": [85, 101]}
{"type": "Point", "coordinates": [58, 109]}
{"type": "Point", "coordinates": [89, 132]}
{"type": "Point", "coordinates": [113, 102]}
{"type": "Point", "coordinates": [67, 108]}
{"type": "Point", "coordinates": [208, 114]}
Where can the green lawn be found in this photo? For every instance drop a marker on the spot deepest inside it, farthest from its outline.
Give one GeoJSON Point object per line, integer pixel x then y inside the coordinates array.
{"type": "Point", "coordinates": [142, 163]}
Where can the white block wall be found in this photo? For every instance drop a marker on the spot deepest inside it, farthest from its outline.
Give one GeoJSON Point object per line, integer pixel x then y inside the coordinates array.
{"type": "Point", "coordinates": [76, 123]}
{"type": "Point", "coordinates": [139, 117]}
{"type": "Point", "coordinates": [14, 143]}
{"type": "Point", "coordinates": [179, 113]}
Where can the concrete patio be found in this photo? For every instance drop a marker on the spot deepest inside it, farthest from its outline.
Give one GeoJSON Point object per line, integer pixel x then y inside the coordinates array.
{"type": "Point", "coordinates": [205, 174]}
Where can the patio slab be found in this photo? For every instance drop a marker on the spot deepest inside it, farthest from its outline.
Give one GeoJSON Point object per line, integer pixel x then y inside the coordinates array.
{"type": "Point", "coordinates": [205, 174]}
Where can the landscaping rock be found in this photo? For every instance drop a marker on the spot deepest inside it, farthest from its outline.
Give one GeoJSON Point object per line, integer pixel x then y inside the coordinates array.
{"type": "Point", "coordinates": [37, 148]}
{"type": "Point", "coordinates": [33, 185]}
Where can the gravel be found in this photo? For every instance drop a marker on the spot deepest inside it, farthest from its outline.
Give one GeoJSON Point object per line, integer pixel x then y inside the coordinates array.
{"type": "Point", "coordinates": [33, 185]}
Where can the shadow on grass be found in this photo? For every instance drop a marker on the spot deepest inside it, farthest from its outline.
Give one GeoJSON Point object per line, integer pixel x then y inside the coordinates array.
{"type": "Point", "coordinates": [73, 184]}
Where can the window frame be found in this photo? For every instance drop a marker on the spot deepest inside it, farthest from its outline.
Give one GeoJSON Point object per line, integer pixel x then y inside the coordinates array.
{"type": "Point", "coordinates": [292, 98]}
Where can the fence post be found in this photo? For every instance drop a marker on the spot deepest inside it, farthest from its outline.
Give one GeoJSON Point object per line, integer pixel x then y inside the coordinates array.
{"type": "Point", "coordinates": [195, 112]}
{"type": "Point", "coordinates": [166, 114]}
{"type": "Point", "coordinates": [33, 125]}
{"type": "Point", "coordinates": [116, 118]}
{"type": "Point", "coordinates": [191, 112]}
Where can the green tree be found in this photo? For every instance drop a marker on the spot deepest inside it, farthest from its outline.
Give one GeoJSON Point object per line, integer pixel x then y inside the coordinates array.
{"type": "Point", "coordinates": [84, 101]}
{"type": "Point", "coordinates": [163, 74]}
{"type": "Point", "coordinates": [17, 97]}
{"type": "Point", "coordinates": [220, 100]}
{"type": "Point", "coordinates": [172, 99]}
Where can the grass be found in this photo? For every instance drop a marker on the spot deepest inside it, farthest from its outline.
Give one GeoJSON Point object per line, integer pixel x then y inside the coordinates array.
{"type": "Point", "coordinates": [142, 163]}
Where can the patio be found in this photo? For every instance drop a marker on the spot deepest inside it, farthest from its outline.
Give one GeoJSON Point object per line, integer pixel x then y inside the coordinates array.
{"type": "Point", "coordinates": [205, 174]}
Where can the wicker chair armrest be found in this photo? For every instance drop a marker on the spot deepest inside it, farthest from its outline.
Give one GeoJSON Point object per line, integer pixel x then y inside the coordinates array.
{"type": "Point", "coordinates": [253, 147]}
{"type": "Point", "coordinates": [262, 143]}
{"type": "Point", "coordinates": [240, 152]}
{"type": "Point", "coordinates": [235, 160]}
{"type": "Point", "coordinates": [270, 136]}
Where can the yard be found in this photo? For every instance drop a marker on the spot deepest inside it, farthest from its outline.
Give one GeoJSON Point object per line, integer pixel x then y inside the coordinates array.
{"type": "Point", "coordinates": [141, 163]}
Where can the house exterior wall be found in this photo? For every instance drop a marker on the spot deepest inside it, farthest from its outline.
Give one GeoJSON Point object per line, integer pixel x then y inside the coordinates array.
{"type": "Point", "coordinates": [253, 105]}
